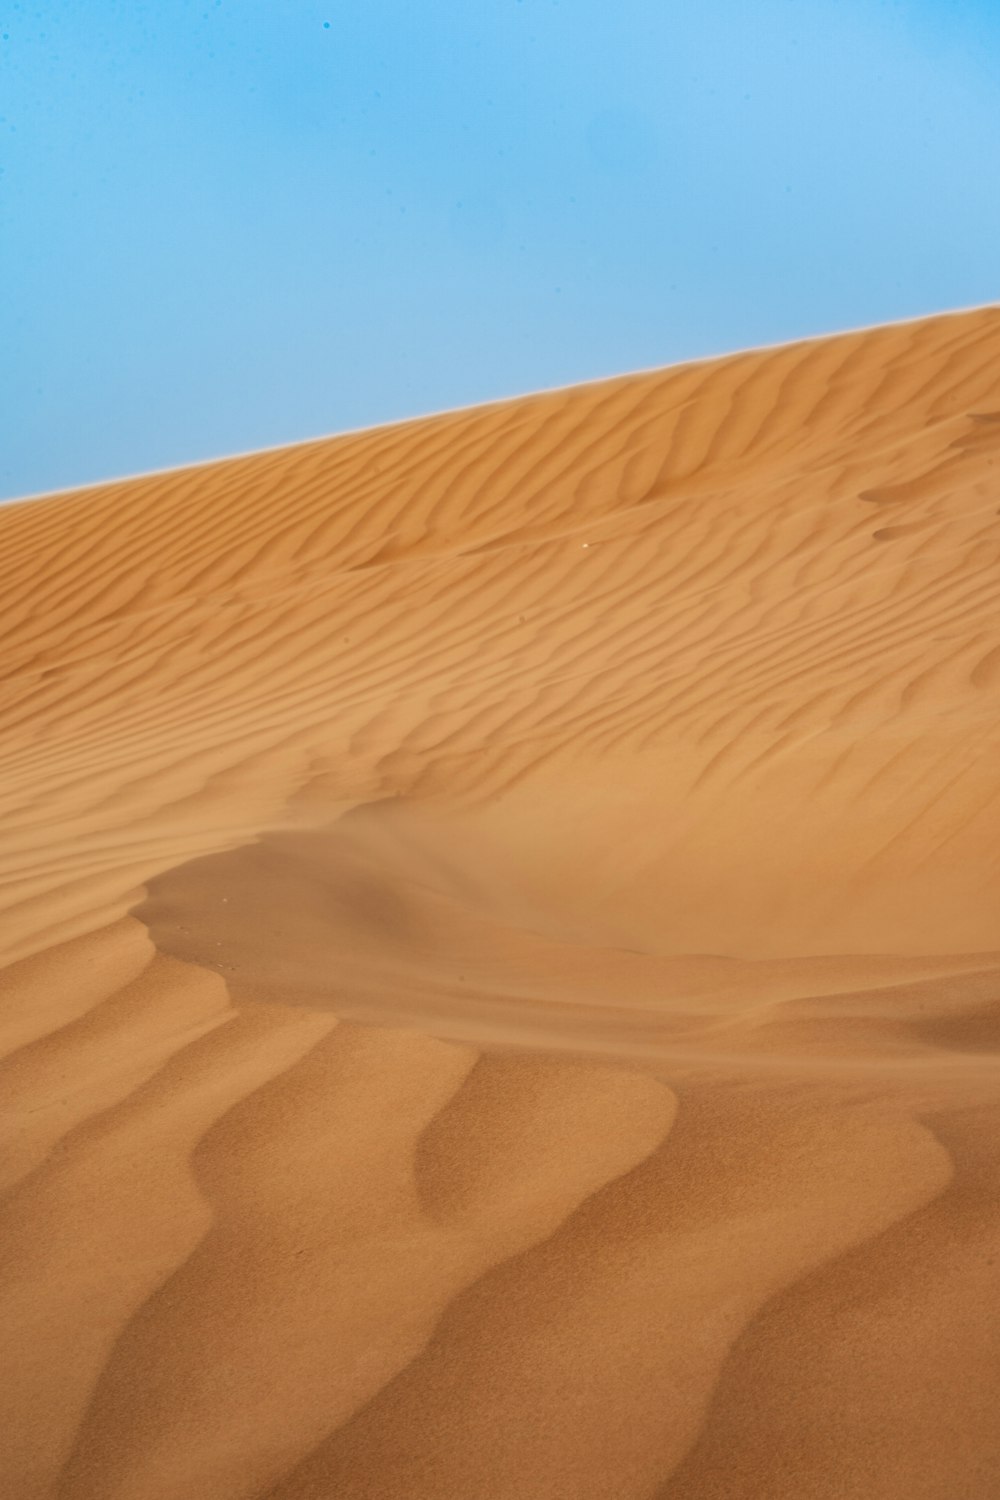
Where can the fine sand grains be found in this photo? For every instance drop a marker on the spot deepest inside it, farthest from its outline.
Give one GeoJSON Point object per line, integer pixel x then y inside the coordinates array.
{"type": "Point", "coordinates": [499, 916]}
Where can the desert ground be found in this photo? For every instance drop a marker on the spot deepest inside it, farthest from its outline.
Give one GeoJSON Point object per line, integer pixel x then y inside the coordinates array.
{"type": "Point", "coordinates": [501, 944]}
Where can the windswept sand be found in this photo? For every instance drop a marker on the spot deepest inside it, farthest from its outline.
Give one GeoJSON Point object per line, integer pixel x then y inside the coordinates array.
{"type": "Point", "coordinates": [502, 941]}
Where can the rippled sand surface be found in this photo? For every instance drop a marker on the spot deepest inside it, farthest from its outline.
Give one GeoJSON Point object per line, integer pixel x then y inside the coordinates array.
{"type": "Point", "coordinates": [501, 942]}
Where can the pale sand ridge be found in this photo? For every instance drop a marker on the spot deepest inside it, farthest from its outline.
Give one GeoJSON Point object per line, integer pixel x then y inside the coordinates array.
{"type": "Point", "coordinates": [501, 930]}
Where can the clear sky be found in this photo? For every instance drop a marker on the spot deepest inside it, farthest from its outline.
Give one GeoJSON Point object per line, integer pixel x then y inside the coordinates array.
{"type": "Point", "coordinates": [226, 224]}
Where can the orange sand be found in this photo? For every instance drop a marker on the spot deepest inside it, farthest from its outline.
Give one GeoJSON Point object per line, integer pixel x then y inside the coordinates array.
{"type": "Point", "coordinates": [502, 940]}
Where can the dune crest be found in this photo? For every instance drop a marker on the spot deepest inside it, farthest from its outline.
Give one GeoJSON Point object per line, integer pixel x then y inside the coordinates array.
{"type": "Point", "coordinates": [499, 915]}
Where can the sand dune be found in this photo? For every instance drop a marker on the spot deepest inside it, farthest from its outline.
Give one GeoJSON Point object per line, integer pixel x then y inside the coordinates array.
{"type": "Point", "coordinates": [502, 950]}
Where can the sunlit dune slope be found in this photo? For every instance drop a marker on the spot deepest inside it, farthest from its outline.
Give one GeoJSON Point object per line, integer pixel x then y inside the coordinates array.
{"type": "Point", "coordinates": [502, 942]}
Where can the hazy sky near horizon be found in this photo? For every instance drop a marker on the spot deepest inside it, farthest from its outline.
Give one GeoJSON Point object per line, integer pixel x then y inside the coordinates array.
{"type": "Point", "coordinates": [226, 224]}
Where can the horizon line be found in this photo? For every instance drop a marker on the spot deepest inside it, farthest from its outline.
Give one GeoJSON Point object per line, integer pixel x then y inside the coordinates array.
{"type": "Point", "coordinates": [429, 416]}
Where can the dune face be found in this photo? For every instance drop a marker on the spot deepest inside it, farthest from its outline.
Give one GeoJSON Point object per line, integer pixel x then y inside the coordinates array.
{"type": "Point", "coordinates": [501, 989]}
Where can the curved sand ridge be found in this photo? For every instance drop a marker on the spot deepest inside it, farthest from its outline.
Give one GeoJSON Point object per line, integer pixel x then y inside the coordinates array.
{"type": "Point", "coordinates": [502, 947]}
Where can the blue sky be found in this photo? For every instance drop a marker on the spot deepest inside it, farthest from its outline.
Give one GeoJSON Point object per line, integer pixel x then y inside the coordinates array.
{"type": "Point", "coordinates": [227, 224]}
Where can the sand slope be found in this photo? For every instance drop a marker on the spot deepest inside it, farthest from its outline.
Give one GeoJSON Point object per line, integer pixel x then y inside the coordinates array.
{"type": "Point", "coordinates": [501, 939]}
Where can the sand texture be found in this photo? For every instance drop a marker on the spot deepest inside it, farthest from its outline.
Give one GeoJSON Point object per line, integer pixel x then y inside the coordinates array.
{"type": "Point", "coordinates": [501, 944]}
